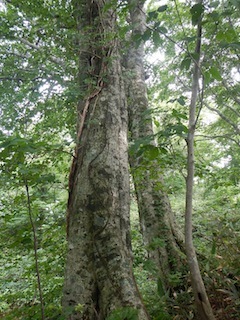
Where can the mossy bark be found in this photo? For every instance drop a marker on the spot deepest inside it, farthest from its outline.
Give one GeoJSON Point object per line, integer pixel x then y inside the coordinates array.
{"type": "Point", "coordinates": [98, 277]}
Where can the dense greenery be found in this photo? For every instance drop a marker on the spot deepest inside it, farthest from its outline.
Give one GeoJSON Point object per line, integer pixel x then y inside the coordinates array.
{"type": "Point", "coordinates": [38, 108]}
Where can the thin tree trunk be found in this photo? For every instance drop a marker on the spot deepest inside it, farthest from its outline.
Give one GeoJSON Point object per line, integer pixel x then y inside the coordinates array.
{"type": "Point", "coordinates": [99, 276]}
{"type": "Point", "coordinates": [156, 217]}
{"type": "Point", "coordinates": [204, 310]}
{"type": "Point", "coordinates": [35, 246]}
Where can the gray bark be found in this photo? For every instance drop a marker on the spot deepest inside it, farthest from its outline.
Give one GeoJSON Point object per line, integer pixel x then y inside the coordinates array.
{"type": "Point", "coordinates": [160, 235]}
{"type": "Point", "coordinates": [98, 277]}
{"type": "Point", "coordinates": [204, 310]}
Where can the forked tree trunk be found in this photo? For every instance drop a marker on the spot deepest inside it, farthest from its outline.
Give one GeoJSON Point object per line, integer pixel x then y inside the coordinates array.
{"type": "Point", "coordinates": [163, 240]}
{"type": "Point", "coordinates": [98, 277]}
{"type": "Point", "coordinates": [203, 307]}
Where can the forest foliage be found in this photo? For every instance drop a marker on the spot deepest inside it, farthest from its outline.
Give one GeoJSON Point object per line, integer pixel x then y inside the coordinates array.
{"type": "Point", "coordinates": [38, 94]}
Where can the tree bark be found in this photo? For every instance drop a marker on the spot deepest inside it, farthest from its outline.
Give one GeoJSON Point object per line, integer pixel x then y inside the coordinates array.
{"type": "Point", "coordinates": [204, 310]}
{"type": "Point", "coordinates": [99, 277]}
{"type": "Point", "coordinates": [163, 240]}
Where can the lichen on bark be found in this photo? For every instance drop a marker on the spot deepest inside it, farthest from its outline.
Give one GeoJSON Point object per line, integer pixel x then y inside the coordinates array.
{"type": "Point", "coordinates": [98, 277]}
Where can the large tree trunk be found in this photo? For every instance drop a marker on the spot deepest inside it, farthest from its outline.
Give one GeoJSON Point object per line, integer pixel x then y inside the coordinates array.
{"type": "Point", "coordinates": [99, 276]}
{"type": "Point", "coordinates": [159, 231]}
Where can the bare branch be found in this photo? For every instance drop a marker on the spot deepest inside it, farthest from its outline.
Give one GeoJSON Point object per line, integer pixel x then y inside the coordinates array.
{"type": "Point", "coordinates": [231, 108]}
{"type": "Point", "coordinates": [233, 97]}
{"type": "Point", "coordinates": [15, 54]}
{"type": "Point", "coordinates": [223, 117]}
{"type": "Point", "coordinates": [224, 136]}
{"type": "Point", "coordinates": [11, 79]}
{"type": "Point", "coordinates": [35, 47]}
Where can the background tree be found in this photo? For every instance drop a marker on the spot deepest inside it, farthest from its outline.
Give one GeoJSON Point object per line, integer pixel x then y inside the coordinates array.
{"type": "Point", "coordinates": [176, 85]}
{"type": "Point", "coordinates": [33, 149]}
{"type": "Point", "coordinates": [161, 237]}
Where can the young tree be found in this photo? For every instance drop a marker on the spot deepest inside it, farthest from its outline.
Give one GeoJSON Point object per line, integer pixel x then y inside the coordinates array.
{"type": "Point", "coordinates": [163, 240]}
{"type": "Point", "coordinates": [99, 275]}
{"type": "Point", "coordinates": [204, 309]}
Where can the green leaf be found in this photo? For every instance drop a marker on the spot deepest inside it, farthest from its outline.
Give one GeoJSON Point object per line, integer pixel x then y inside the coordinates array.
{"type": "Point", "coordinates": [147, 35]}
{"type": "Point", "coordinates": [194, 55]}
{"type": "Point", "coordinates": [235, 45]}
{"type": "Point", "coordinates": [151, 152]}
{"type": "Point", "coordinates": [181, 101]}
{"type": "Point", "coordinates": [162, 8]}
{"type": "Point", "coordinates": [109, 5]}
{"type": "Point", "coordinates": [5, 144]}
{"type": "Point", "coordinates": [46, 178]}
{"type": "Point", "coordinates": [180, 129]}
{"type": "Point", "coordinates": [156, 123]}
{"type": "Point", "coordinates": [152, 15]}
{"type": "Point", "coordinates": [185, 64]}
{"type": "Point", "coordinates": [220, 36]}
{"type": "Point", "coordinates": [139, 144]}
{"type": "Point", "coordinates": [214, 4]}
{"type": "Point", "coordinates": [137, 38]}
{"type": "Point", "coordinates": [126, 313]}
{"type": "Point", "coordinates": [156, 243]}
{"type": "Point", "coordinates": [123, 31]}
{"type": "Point", "coordinates": [228, 35]}
{"type": "Point", "coordinates": [196, 12]}
{"type": "Point", "coordinates": [190, 39]}
{"type": "Point", "coordinates": [214, 15]}
{"type": "Point", "coordinates": [162, 29]}
{"type": "Point", "coordinates": [207, 77]}
{"type": "Point", "coordinates": [163, 150]}
{"type": "Point", "coordinates": [156, 38]}
{"type": "Point", "coordinates": [215, 73]}
{"type": "Point", "coordinates": [160, 288]}
{"type": "Point", "coordinates": [214, 246]}
{"type": "Point", "coordinates": [179, 115]}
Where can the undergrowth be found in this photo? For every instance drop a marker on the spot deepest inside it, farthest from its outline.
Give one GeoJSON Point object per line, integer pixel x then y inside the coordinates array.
{"type": "Point", "coordinates": [217, 240]}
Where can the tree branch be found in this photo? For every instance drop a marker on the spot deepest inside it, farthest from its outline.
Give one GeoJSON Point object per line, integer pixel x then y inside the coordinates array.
{"type": "Point", "coordinates": [224, 136]}
{"type": "Point", "coordinates": [35, 47]}
{"type": "Point", "coordinates": [223, 117]}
